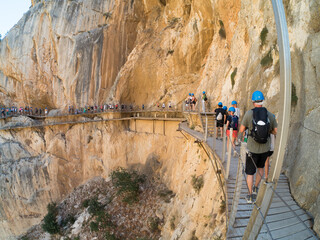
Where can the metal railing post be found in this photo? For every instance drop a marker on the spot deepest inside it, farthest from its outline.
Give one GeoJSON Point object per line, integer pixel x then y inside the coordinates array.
{"type": "Point", "coordinates": [229, 153]}
{"type": "Point", "coordinates": [238, 186]}
{"type": "Point", "coordinates": [224, 144]}
{"type": "Point", "coordinates": [206, 130]}
{"type": "Point", "coordinates": [214, 135]}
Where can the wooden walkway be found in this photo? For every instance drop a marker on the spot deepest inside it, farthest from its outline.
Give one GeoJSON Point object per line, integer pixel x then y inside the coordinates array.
{"type": "Point", "coordinates": [285, 219]}
{"type": "Point", "coordinates": [42, 121]}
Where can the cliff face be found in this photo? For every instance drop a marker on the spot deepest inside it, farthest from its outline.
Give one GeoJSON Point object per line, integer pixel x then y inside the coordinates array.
{"type": "Point", "coordinates": [85, 52]}
{"type": "Point", "coordinates": [41, 166]}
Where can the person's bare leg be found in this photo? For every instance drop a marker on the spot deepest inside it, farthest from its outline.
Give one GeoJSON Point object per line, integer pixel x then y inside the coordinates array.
{"type": "Point", "coordinates": [266, 168]}
{"type": "Point", "coordinates": [250, 183]}
{"type": "Point", "coordinates": [258, 176]}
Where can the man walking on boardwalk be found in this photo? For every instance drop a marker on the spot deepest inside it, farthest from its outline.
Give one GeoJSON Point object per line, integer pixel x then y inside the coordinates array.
{"type": "Point", "coordinates": [260, 123]}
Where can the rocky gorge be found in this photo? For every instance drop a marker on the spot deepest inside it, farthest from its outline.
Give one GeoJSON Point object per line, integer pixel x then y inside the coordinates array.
{"type": "Point", "coordinates": [76, 52]}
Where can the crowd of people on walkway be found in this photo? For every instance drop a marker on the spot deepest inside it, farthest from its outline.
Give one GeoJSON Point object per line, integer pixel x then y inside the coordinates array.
{"type": "Point", "coordinates": [15, 111]}
{"type": "Point", "coordinates": [36, 111]}
{"type": "Point", "coordinates": [257, 128]}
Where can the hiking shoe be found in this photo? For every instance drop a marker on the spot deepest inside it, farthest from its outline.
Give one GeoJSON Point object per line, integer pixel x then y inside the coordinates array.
{"type": "Point", "coordinates": [249, 198]}
{"type": "Point", "coordinates": [234, 153]}
{"type": "Point", "coordinates": [255, 190]}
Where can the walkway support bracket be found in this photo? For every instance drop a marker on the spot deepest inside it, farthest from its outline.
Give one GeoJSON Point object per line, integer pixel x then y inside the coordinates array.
{"type": "Point", "coordinates": [266, 191]}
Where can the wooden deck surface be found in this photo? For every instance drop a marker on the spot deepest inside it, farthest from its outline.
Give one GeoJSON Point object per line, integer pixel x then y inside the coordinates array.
{"type": "Point", "coordinates": [285, 219]}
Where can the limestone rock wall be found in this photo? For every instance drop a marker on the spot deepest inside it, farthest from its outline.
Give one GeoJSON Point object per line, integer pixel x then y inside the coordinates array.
{"type": "Point", "coordinates": [41, 166]}
{"type": "Point", "coordinates": [84, 52]}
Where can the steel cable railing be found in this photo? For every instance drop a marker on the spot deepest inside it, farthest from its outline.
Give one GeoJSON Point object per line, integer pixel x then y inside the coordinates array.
{"type": "Point", "coordinates": [274, 191]}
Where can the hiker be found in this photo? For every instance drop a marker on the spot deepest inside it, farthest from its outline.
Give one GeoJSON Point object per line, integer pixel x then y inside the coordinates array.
{"type": "Point", "coordinates": [46, 111]}
{"type": "Point", "coordinates": [204, 101]}
{"type": "Point", "coordinates": [220, 118]}
{"type": "Point", "coordinates": [237, 113]}
{"type": "Point", "coordinates": [225, 108]}
{"type": "Point", "coordinates": [187, 102]}
{"type": "Point", "coordinates": [232, 122]}
{"type": "Point", "coordinates": [260, 123]}
{"type": "Point", "coordinates": [193, 102]}
{"type": "Point", "coordinates": [163, 106]}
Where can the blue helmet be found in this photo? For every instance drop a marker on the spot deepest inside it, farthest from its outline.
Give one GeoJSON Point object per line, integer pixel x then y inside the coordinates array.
{"type": "Point", "coordinates": [203, 92]}
{"type": "Point", "coordinates": [189, 94]}
{"type": "Point", "coordinates": [234, 102]}
{"type": "Point", "coordinates": [231, 109]}
{"type": "Point", "coordinates": [220, 104]}
{"type": "Point", "coordinates": [257, 96]}
{"type": "Point", "coordinates": [192, 94]}
{"type": "Point", "coordinates": [225, 107]}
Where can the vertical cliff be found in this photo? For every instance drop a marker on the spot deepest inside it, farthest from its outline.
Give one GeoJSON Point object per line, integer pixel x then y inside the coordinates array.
{"type": "Point", "coordinates": [84, 52]}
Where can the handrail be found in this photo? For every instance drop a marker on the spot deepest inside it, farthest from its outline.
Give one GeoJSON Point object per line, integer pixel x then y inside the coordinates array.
{"type": "Point", "coordinates": [266, 192]}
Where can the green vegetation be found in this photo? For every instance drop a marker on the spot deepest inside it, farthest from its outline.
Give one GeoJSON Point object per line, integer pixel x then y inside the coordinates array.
{"type": "Point", "coordinates": [163, 2]}
{"type": "Point", "coordinates": [170, 51]}
{"type": "Point", "coordinates": [197, 182]}
{"type": "Point", "coordinates": [267, 60]}
{"type": "Point", "coordinates": [172, 224]}
{"type": "Point", "coordinates": [127, 184]}
{"type": "Point", "coordinates": [69, 219]}
{"type": "Point", "coordinates": [263, 35]}
{"type": "Point", "coordinates": [50, 224]}
{"type": "Point", "coordinates": [94, 226]}
{"type": "Point", "coordinates": [154, 224]}
{"type": "Point", "coordinates": [107, 15]}
{"type": "Point", "coordinates": [166, 195]}
{"type": "Point", "coordinates": [110, 236]}
{"type": "Point", "coordinates": [96, 209]}
{"type": "Point", "coordinates": [222, 206]}
{"type": "Point", "coordinates": [217, 238]}
{"type": "Point", "coordinates": [192, 127]}
{"type": "Point", "coordinates": [233, 74]}
{"type": "Point", "coordinates": [193, 237]}
{"type": "Point", "coordinates": [294, 97]}
{"type": "Point", "coordinates": [173, 21]}
{"type": "Point", "coordinates": [222, 31]}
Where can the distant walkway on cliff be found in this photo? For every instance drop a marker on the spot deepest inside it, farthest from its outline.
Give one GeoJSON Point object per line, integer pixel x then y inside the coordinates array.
{"type": "Point", "coordinates": [30, 121]}
{"type": "Point", "coordinates": [285, 219]}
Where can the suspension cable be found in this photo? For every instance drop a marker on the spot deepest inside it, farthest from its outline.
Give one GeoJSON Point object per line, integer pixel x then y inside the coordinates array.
{"type": "Point", "coordinates": [274, 191]}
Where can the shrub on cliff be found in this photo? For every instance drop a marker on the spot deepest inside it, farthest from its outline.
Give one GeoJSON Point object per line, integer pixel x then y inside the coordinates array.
{"type": "Point", "coordinates": [127, 184]}
{"type": "Point", "coordinates": [50, 224]}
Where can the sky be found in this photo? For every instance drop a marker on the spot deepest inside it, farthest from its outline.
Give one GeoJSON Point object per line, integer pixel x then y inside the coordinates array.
{"type": "Point", "coordinates": [11, 11]}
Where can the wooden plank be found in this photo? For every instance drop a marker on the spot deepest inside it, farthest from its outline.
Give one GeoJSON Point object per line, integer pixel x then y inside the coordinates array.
{"type": "Point", "coordinates": [235, 232]}
{"type": "Point", "coordinates": [285, 223]}
{"type": "Point", "coordinates": [288, 231]}
{"type": "Point", "coordinates": [285, 215]}
{"type": "Point", "coordinates": [305, 234]}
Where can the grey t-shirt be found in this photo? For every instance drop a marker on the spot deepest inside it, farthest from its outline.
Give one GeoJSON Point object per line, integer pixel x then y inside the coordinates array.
{"type": "Point", "coordinates": [254, 146]}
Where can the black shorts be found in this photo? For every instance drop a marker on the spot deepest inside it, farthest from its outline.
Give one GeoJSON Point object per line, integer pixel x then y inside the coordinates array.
{"type": "Point", "coordinates": [270, 153]}
{"type": "Point", "coordinates": [220, 123]}
{"type": "Point", "coordinates": [259, 161]}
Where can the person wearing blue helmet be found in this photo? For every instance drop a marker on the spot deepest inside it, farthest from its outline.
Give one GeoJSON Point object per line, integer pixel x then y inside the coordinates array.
{"type": "Point", "coordinates": [204, 101]}
{"type": "Point", "coordinates": [232, 122]}
{"type": "Point", "coordinates": [260, 124]}
{"type": "Point", "coordinates": [220, 118]}
{"type": "Point", "coordinates": [193, 102]}
{"type": "Point", "coordinates": [225, 108]}
{"type": "Point", "coordinates": [237, 113]}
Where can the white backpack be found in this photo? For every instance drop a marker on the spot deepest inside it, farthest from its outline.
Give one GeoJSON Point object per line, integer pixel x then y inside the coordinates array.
{"type": "Point", "coordinates": [219, 117]}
